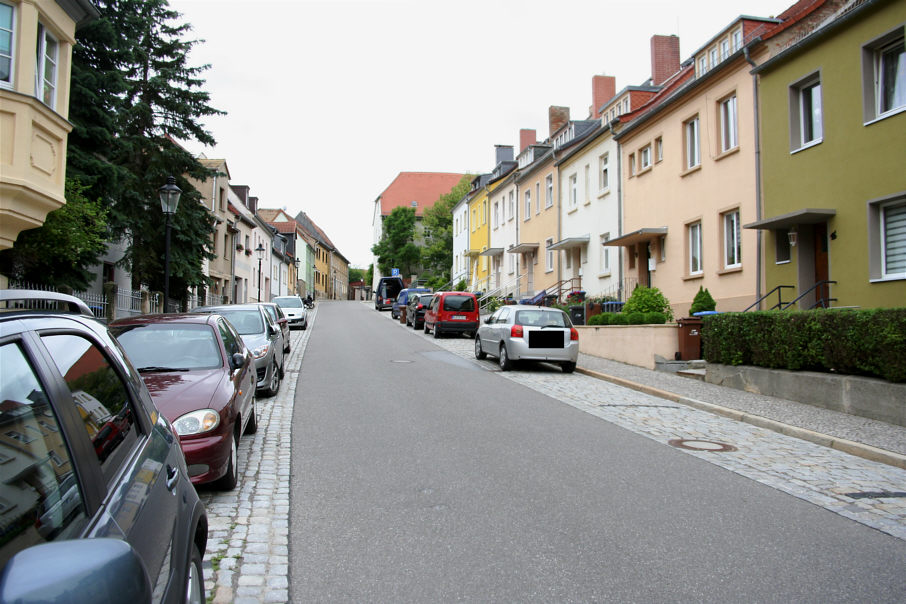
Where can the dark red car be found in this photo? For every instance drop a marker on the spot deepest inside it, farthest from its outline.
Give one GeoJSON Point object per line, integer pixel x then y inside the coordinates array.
{"type": "Point", "coordinates": [202, 378]}
{"type": "Point", "coordinates": [452, 312]}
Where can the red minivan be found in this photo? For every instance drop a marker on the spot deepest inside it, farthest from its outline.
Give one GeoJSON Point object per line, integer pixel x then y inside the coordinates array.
{"type": "Point", "coordinates": [452, 312]}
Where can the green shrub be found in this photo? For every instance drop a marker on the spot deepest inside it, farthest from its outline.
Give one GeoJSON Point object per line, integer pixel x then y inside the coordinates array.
{"type": "Point", "coordinates": [600, 319]}
{"type": "Point", "coordinates": [702, 301]}
{"type": "Point", "coordinates": [862, 342]}
{"type": "Point", "coordinates": [494, 304]}
{"type": "Point", "coordinates": [655, 318]}
{"type": "Point", "coordinates": [619, 318]}
{"type": "Point", "coordinates": [461, 286]}
{"type": "Point", "coordinates": [635, 318]}
{"type": "Point", "coordinates": [648, 299]}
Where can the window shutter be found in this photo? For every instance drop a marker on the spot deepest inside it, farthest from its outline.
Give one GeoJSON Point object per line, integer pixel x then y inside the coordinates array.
{"type": "Point", "coordinates": [895, 239]}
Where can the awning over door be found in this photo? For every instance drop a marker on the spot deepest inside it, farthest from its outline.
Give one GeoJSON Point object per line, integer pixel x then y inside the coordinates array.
{"type": "Point", "coordinates": [785, 221]}
{"type": "Point", "coordinates": [640, 236]}
{"type": "Point", "coordinates": [523, 248]}
{"type": "Point", "coordinates": [492, 251]}
{"type": "Point", "coordinates": [571, 242]}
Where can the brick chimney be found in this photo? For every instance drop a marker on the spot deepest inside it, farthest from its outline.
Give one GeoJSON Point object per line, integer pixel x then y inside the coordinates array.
{"type": "Point", "coordinates": [526, 138]}
{"type": "Point", "coordinates": [503, 153]}
{"type": "Point", "coordinates": [603, 88]}
{"type": "Point", "coordinates": [557, 117]}
{"type": "Point", "coordinates": [253, 204]}
{"type": "Point", "coordinates": [665, 58]}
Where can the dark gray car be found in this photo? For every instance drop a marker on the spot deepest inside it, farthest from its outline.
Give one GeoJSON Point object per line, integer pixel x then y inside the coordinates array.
{"type": "Point", "coordinates": [97, 502]}
{"type": "Point", "coordinates": [263, 337]}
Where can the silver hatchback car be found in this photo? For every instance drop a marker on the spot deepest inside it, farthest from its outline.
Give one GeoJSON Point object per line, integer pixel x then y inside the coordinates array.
{"type": "Point", "coordinates": [523, 332]}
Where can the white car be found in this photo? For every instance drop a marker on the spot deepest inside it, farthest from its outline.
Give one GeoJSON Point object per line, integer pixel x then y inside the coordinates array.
{"type": "Point", "coordinates": [294, 309]}
{"type": "Point", "coordinates": [523, 332]}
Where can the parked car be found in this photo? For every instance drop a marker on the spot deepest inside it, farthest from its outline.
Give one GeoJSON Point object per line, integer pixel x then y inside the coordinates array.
{"type": "Point", "coordinates": [201, 376]}
{"type": "Point", "coordinates": [518, 332]}
{"type": "Point", "coordinates": [386, 291]}
{"type": "Point", "coordinates": [415, 313]}
{"type": "Point", "coordinates": [402, 299]}
{"type": "Point", "coordinates": [280, 319]}
{"type": "Point", "coordinates": [262, 335]}
{"type": "Point", "coordinates": [294, 309]}
{"type": "Point", "coordinates": [452, 312]}
{"type": "Point", "coordinates": [114, 526]}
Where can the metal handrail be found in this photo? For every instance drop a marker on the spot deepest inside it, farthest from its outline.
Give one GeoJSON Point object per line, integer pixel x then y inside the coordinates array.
{"type": "Point", "coordinates": [779, 290]}
{"type": "Point", "coordinates": [822, 301]}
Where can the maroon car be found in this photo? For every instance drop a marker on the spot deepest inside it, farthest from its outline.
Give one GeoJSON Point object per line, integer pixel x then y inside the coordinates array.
{"type": "Point", "coordinates": [202, 378]}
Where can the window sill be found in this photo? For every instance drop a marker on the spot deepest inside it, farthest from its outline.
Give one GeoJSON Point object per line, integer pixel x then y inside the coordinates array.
{"type": "Point", "coordinates": [691, 170]}
{"type": "Point", "coordinates": [587, 202]}
{"type": "Point", "coordinates": [727, 153]}
{"type": "Point", "coordinates": [809, 145]}
{"type": "Point", "coordinates": [604, 275]}
{"type": "Point", "coordinates": [644, 170]}
{"type": "Point", "coordinates": [603, 193]}
{"type": "Point", "coordinates": [730, 270]}
{"type": "Point", "coordinates": [782, 262]}
{"type": "Point", "coordinates": [694, 277]}
{"type": "Point", "coordinates": [573, 211]}
{"type": "Point", "coordinates": [888, 278]}
{"type": "Point", "coordinates": [549, 270]}
{"type": "Point", "coordinates": [884, 116]}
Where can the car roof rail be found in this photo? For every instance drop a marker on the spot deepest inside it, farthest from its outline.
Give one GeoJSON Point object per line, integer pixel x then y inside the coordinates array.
{"type": "Point", "coordinates": [40, 300]}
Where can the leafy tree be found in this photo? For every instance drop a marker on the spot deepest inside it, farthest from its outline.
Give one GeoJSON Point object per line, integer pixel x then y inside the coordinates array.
{"type": "Point", "coordinates": [57, 253]}
{"type": "Point", "coordinates": [133, 95]}
{"type": "Point", "coordinates": [356, 274]}
{"type": "Point", "coordinates": [437, 256]}
{"type": "Point", "coordinates": [397, 248]}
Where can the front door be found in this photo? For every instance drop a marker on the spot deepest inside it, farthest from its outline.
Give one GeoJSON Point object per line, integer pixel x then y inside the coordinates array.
{"type": "Point", "coordinates": [822, 292]}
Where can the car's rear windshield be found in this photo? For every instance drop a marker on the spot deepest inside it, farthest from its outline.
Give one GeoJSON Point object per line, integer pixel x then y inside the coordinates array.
{"type": "Point", "coordinates": [542, 318]}
{"type": "Point", "coordinates": [246, 322]}
{"type": "Point", "coordinates": [289, 302]}
{"type": "Point", "coordinates": [459, 303]}
{"type": "Point", "coordinates": [170, 346]}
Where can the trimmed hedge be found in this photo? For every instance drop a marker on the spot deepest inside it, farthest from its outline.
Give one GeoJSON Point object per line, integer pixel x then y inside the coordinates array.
{"type": "Point", "coordinates": [860, 342]}
{"type": "Point", "coordinates": [635, 318]}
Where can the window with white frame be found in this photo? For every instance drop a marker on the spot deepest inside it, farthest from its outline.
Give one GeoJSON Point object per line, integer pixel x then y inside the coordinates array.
{"type": "Point", "coordinates": [645, 157]}
{"type": "Point", "coordinates": [805, 113]}
{"type": "Point", "coordinates": [658, 149]}
{"type": "Point", "coordinates": [496, 214]}
{"type": "Point", "coordinates": [585, 183]}
{"type": "Point", "coordinates": [692, 143]}
{"type": "Point", "coordinates": [724, 49]}
{"type": "Point", "coordinates": [7, 43]}
{"type": "Point", "coordinates": [474, 219]}
{"type": "Point", "coordinates": [528, 205]}
{"type": "Point", "coordinates": [573, 191]}
{"type": "Point", "coordinates": [732, 240]}
{"type": "Point", "coordinates": [511, 202]}
{"type": "Point", "coordinates": [712, 57]}
{"type": "Point", "coordinates": [694, 231]}
{"type": "Point", "coordinates": [626, 105]}
{"type": "Point", "coordinates": [603, 173]}
{"type": "Point", "coordinates": [632, 164]}
{"type": "Point", "coordinates": [46, 69]}
{"type": "Point", "coordinates": [537, 198]}
{"type": "Point", "coordinates": [605, 253]}
{"type": "Point", "coordinates": [887, 238]}
{"type": "Point", "coordinates": [702, 65]}
{"type": "Point", "coordinates": [484, 212]}
{"type": "Point", "coordinates": [549, 256]}
{"type": "Point", "coordinates": [729, 136]}
{"type": "Point", "coordinates": [548, 191]}
{"type": "Point", "coordinates": [511, 264]}
{"type": "Point", "coordinates": [884, 76]}
{"type": "Point", "coordinates": [737, 40]}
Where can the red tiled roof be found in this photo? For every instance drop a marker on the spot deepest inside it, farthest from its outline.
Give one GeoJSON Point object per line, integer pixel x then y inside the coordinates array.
{"type": "Point", "coordinates": [422, 187]}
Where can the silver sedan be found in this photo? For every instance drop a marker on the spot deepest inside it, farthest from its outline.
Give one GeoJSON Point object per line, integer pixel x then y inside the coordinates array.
{"type": "Point", "coordinates": [522, 332]}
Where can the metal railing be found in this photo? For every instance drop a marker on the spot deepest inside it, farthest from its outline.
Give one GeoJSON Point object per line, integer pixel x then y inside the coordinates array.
{"type": "Point", "coordinates": [780, 302]}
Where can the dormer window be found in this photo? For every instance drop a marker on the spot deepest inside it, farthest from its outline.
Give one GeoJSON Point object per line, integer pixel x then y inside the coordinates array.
{"type": "Point", "coordinates": [737, 39]}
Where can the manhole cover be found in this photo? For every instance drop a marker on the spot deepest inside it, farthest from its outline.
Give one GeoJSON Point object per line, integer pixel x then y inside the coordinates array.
{"type": "Point", "coordinates": [701, 445]}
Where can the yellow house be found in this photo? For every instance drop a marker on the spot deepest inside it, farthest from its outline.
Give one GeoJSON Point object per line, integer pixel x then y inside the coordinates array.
{"type": "Point", "coordinates": [34, 106]}
{"type": "Point", "coordinates": [479, 234]}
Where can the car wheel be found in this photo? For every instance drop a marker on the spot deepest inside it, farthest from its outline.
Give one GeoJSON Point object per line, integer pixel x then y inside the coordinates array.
{"type": "Point", "coordinates": [195, 579]}
{"type": "Point", "coordinates": [274, 384]}
{"type": "Point", "coordinates": [505, 363]}
{"type": "Point", "coordinates": [252, 425]}
{"type": "Point", "coordinates": [436, 332]}
{"type": "Point", "coordinates": [229, 480]}
{"type": "Point", "coordinates": [568, 367]}
{"type": "Point", "coordinates": [426, 328]}
{"type": "Point", "coordinates": [479, 353]}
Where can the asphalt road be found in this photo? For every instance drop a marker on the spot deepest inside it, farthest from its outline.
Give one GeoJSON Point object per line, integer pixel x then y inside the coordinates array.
{"type": "Point", "coordinates": [418, 476]}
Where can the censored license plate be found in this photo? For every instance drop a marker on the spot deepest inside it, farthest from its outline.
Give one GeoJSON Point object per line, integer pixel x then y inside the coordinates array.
{"type": "Point", "coordinates": [458, 317]}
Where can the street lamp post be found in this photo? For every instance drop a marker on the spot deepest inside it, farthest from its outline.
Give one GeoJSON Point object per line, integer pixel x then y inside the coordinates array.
{"type": "Point", "coordinates": [260, 249]}
{"type": "Point", "coordinates": [169, 200]}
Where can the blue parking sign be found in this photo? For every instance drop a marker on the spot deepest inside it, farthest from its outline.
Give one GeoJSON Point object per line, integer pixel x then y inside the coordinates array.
{"type": "Point", "coordinates": [394, 272]}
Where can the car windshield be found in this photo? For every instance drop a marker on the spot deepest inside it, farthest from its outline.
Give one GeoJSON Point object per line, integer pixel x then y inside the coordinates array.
{"type": "Point", "coordinates": [170, 346]}
{"type": "Point", "coordinates": [459, 303]}
{"type": "Point", "coordinates": [542, 318]}
{"type": "Point", "coordinates": [288, 302]}
{"type": "Point", "coordinates": [246, 322]}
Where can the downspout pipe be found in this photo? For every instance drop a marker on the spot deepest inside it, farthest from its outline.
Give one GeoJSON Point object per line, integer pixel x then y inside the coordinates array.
{"type": "Point", "coordinates": [759, 244]}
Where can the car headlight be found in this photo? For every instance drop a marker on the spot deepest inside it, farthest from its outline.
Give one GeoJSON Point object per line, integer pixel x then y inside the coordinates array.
{"type": "Point", "coordinates": [260, 351]}
{"type": "Point", "coordinates": [197, 422]}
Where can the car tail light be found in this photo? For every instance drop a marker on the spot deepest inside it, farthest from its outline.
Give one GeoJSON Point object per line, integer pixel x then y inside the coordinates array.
{"type": "Point", "coordinates": [516, 331]}
{"type": "Point", "coordinates": [573, 334]}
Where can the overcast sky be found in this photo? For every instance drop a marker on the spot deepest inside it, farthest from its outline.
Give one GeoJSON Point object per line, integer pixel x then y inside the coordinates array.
{"type": "Point", "coordinates": [327, 101]}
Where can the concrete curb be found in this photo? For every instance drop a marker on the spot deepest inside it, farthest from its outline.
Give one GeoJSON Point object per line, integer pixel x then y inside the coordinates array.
{"type": "Point", "coordinates": [847, 446]}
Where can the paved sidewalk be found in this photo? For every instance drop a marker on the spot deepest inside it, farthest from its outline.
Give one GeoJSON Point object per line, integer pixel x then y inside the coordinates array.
{"type": "Point", "coordinates": [856, 435]}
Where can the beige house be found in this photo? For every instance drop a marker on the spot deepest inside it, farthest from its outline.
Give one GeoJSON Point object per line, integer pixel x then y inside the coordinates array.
{"type": "Point", "coordinates": [214, 193]}
{"type": "Point", "coordinates": [34, 106]}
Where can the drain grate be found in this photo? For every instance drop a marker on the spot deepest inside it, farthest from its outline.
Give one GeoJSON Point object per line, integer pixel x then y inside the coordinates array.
{"type": "Point", "coordinates": [876, 494]}
{"type": "Point", "coordinates": [709, 446]}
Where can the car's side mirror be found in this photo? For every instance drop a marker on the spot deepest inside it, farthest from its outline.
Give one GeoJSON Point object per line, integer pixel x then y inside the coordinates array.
{"type": "Point", "coordinates": [56, 571]}
{"type": "Point", "coordinates": [237, 360]}
{"type": "Point", "coordinates": [489, 320]}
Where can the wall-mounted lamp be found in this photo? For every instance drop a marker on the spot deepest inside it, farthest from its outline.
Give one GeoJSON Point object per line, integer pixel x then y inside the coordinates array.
{"type": "Point", "coordinates": [833, 235]}
{"type": "Point", "coordinates": [793, 235]}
